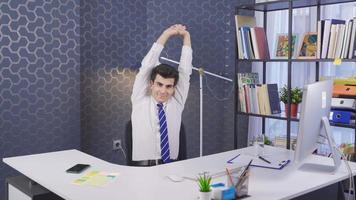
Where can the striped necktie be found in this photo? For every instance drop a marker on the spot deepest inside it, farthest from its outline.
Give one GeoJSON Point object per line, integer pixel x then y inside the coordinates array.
{"type": "Point", "coordinates": [163, 129]}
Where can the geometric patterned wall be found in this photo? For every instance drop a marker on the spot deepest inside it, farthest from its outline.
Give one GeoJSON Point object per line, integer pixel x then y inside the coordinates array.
{"type": "Point", "coordinates": [67, 69]}
{"type": "Point", "coordinates": [113, 42]}
{"type": "Point", "coordinates": [116, 35]}
{"type": "Point", "coordinates": [39, 78]}
{"type": "Point", "coordinates": [212, 32]}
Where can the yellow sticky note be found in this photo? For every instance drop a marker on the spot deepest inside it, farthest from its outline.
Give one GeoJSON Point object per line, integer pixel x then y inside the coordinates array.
{"type": "Point", "coordinates": [337, 61]}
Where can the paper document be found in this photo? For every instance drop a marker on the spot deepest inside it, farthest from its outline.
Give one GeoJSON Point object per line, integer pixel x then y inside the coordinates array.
{"type": "Point", "coordinates": [96, 178]}
{"type": "Point", "coordinates": [272, 163]}
{"type": "Point", "coordinates": [260, 161]}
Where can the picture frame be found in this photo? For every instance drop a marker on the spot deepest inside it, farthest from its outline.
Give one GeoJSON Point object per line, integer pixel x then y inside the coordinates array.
{"type": "Point", "coordinates": [308, 46]}
{"type": "Point", "coordinates": [281, 46]}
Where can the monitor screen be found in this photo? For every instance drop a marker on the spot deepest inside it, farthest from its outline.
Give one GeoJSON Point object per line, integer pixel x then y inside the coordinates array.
{"type": "Point", "coordinates": [314, 118]}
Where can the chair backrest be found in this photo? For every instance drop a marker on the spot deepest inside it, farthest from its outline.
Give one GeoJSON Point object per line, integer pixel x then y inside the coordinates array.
{"type": "Point", "coordinates": [182, 155]}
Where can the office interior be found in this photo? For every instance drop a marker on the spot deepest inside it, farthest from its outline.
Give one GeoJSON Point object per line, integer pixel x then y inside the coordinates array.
{"type": "Point", "coordinates": [67, 70]}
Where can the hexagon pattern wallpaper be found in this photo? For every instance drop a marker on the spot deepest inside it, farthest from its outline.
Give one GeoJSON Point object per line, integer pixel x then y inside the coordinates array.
{"type": "Point", "coordinates": [114, 43]}
{"type": "Point", "coordinates": [39, 78]}
{"type": "Point", "coordinates": [67, 68]}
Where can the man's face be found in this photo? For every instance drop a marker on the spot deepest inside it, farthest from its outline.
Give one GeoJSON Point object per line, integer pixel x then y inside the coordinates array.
{"type": "Point", "coordinates": [162, 88]}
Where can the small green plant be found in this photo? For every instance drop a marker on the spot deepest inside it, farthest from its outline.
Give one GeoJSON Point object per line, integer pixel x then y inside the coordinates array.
{"type": "Point", "coordinates": [204, 182]}
{"type": "Point", "coordinates": [267, 141]}
{"type": "Point", "coordinates": [296, 95]}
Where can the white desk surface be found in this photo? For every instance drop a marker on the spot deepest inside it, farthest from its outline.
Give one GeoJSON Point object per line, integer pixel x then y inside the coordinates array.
{"type": "Point", "coordinates": [48, 169]}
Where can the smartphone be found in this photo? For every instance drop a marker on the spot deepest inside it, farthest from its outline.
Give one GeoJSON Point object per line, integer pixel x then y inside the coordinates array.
{"type": "Point", "coordinates": [78, 168]}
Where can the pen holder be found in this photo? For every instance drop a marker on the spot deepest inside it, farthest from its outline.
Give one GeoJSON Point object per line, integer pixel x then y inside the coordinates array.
{"type": "Point", "coordinates": [233, 176]}
{"type": "Point", "coordinates": [241, 186]}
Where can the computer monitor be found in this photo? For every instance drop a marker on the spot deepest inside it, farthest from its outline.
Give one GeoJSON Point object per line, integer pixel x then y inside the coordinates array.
{"type": "Point", "coordinates": [314, 121]}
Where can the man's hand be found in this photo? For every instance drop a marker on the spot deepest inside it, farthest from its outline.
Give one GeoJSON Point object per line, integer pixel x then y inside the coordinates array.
{"type": "Point", "coordinates": [177, 29]}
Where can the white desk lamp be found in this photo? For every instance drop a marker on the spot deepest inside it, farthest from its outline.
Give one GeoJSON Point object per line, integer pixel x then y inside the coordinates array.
{"type": "Point", "coordinates": [201, 73]}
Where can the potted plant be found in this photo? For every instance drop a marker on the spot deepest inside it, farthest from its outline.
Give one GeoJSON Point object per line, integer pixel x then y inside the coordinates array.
{"type": "Point", "coordinates": [296, 98]}
{"type": "Point", "coordinates": [204, 186]}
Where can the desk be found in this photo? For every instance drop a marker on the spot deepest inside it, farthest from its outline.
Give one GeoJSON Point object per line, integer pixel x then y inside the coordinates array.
{"type": "Point", "coordinates": [48, 169]}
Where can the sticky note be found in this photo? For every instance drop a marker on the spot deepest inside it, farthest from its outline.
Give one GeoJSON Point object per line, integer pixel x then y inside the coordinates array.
{"type": "Point", "coordinates": [337, 61]}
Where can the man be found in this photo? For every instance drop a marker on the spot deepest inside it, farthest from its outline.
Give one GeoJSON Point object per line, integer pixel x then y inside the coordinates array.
{"type": "Point", "coordinates": [158, 98]}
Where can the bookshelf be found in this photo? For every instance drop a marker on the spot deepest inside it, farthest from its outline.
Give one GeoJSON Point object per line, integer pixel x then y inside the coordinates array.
{"type": "Point", "coordinates": [289, 5]}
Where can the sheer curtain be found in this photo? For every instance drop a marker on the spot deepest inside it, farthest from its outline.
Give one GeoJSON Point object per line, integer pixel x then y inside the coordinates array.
{"type": "Point", "coordinates": [304, 20]}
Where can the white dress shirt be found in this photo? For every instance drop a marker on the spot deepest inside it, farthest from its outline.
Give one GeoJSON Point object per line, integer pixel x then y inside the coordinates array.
{"type": "Point", "coordinates": [145, 124]}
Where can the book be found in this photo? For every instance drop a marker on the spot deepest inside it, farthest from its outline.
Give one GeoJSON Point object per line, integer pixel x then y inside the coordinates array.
{"type": "Point", "coordinates": [255, 44]}
{"type": "Point", "coordinates": [333, 35]}
{"type": "Point", "coordinates": [352, 40]}
{"type": "Point", "coordinates": [243, 80]}
{"type": "Point", "coordinates": [248, 42]}
{"type": "Point", "coordinates": [265, 100]}
{"type": "Point", "coordinates": [259, 40]}
{"type": "Point", "coordinates": [282, 45]}
{"type": "Point", "coordinates": [240, 21]}
{"type": "Point", "coordinates": [307, 49]}
{"type": "Point", "coordinates": [239, 45]}
{"type": "Point", "coordinates": [320, 37]}
{"type": "Point", "coordinates": [274, 100]}
{"type": "Point", "coordinates": [345, 50]}
{"type": "Point", "coordinates": [326, 35]}
{"type": "Point", "coordinates": [340, 41]}
{"type": "Point", "coordinates": [260, 99]}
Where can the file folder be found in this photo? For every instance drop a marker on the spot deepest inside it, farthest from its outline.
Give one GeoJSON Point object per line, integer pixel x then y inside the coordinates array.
{"type": "Point", "coordinates": [343, 104]}
{"type": "Point", "coordinates": [344, 91]}
{"type": "Point", "coordinates": [340, 116]}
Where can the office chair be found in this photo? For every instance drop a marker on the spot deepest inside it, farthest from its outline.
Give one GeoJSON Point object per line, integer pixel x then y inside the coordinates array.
{"type": "Point", "coordinates": [182, 154]}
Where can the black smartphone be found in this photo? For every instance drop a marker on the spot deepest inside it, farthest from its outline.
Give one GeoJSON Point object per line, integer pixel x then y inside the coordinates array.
{"type": "Point", "coordinates": [78, 168]}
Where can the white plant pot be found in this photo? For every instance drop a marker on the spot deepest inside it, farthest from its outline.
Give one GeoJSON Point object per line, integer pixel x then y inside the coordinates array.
{"type": "Point", "coordinates": [205, 195]}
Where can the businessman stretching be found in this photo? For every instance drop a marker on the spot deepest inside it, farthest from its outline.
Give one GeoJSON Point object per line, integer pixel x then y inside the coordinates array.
{"type": "Point", "coordinates": [158, 98]}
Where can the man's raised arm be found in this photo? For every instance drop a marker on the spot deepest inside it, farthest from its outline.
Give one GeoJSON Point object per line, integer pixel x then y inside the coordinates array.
{"type": "Point", "coordinates": [185, 67]}
{"type": "Point", "coordinates": [149, 62]}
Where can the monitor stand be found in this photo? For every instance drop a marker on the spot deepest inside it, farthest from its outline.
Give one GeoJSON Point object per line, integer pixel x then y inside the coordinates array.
{"type": "Point", "coordinates": [334, 150]}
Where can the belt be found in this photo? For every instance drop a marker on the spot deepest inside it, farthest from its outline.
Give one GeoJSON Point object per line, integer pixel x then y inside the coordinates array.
{"type": "Point", "coordinates": [147, 163]}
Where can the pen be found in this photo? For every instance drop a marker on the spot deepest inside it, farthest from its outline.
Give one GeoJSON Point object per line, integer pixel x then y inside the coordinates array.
{"type": "Point", "coordinates": [228, 173]}
{"type": "Point", "coordinates": [230, 161]}
{"type": "Point", "coordinates": [264, 159]}
{"type": "Point", "coordinates": [245, 170]}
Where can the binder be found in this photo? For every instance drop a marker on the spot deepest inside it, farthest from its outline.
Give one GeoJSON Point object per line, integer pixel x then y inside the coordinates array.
{"type": "Point", "coordinates": [344, 91]}
{"type": "Point", "coordinates": [274, 101]}
{"type": "Point", "coordinates": [343, 104]}
{"type": "Point", "coordinates": [340, 116]}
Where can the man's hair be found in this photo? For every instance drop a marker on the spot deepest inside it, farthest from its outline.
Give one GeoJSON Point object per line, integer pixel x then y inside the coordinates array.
{"type": "Point", "coordinates": [166, 71]}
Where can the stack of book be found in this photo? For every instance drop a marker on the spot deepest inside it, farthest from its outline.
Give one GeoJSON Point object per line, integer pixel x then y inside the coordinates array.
{"type": "Point", "coordinates": [336, 38]}
{"type": "Point", "coordinates": [257, 98]}
{"type": "Point", "coordinates": [281, 141]}
{"type": "Point", "coordinates": [251, 40]}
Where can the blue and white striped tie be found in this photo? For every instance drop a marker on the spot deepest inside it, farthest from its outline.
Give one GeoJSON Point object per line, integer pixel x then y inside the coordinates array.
{"type": "Point", "coordinates": [163, 129]}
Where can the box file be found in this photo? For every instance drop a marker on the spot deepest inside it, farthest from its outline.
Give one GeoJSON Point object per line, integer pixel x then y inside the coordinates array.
{"type": "Point", "coordinates": [343, 104]}
{"type": "Point", "coordinates": [340, 116]}
{"type": "Point", "coordinates": [344, 91]}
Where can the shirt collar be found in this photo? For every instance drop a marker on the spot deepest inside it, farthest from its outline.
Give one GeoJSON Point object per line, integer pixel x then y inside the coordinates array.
{"type": "Point", "coordinates": [156, 102]}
